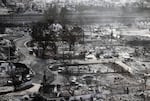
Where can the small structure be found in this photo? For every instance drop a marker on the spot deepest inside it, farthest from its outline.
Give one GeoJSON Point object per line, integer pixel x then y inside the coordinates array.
{"type": "Point", "coordinates": [54, 90]}
{"type": "Point", "coordinates": [56, 27]}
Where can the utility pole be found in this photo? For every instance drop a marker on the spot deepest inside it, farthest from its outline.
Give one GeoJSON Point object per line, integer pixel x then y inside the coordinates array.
{"type": "Point", "coordinates": [44, 5]}
{"type": "Point", "coordinates": [9, 50]}
{"type": "Point", "coordinates": [9, 53]}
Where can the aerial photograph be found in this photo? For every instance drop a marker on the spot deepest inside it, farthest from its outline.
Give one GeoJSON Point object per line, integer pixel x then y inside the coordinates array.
{"type": "Point", "coordinates": [74, 50]}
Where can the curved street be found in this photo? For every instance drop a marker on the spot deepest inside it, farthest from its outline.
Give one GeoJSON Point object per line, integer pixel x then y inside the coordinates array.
{"type": "Point", "coordinates": [36, 64]}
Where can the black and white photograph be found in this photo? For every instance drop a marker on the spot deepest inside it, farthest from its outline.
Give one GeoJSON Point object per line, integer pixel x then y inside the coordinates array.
{"type": "Point", "coordinates": [74, 50]}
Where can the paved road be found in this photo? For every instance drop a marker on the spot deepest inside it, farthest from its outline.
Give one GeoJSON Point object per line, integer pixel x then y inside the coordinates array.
{"type": "Point", "coordinates": [36, 64]}
{"type": "Point", "coordinates": [33, 89]}
{"type": "Point", "coordinates": [20, 19]}
{"type": "Point", "coordinates": [21, 47]}
{"type": "Point", "coordinates": [86, 17]}
{"type": "Point", "coordinates": [120, 63]}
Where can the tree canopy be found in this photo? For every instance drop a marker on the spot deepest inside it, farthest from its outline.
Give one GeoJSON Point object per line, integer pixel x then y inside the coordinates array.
{"type": "Point", "coordinates": [46, 35]}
